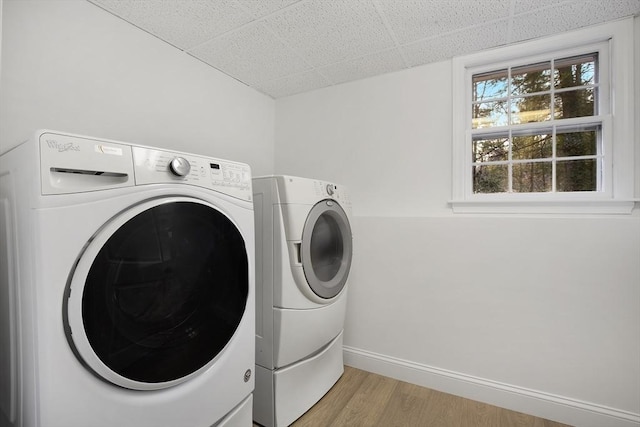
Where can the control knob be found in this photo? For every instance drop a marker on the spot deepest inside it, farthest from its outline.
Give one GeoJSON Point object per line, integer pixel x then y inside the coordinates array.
{"type": "Point", "coordinates": [330, 190]}
{"type": "Point", "coordinates": [180, 166]}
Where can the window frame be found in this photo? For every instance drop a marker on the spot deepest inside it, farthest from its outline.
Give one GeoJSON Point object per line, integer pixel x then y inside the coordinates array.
{"type": "Point", "coordinates": [614, 43]}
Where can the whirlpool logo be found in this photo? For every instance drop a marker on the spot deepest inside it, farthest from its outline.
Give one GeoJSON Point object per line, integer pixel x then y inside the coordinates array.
{"type": "Point", "coordinates": [62, 147]}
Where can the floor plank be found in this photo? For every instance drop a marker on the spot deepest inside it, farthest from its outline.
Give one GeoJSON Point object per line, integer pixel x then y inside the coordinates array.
{"type": "Point", "coordinates": [407, 407]}
{"type": "Point", "coordinates": [364, 399]}
{"type": "Point", "coordinates": [326, 410]}
{"type": "Point", "coordinates": [367, 404]}
{"type": "Point", "coordinates": [478, 414]}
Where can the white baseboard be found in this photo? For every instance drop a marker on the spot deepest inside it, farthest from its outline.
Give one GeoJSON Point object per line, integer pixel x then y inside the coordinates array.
{"type": "Point", "coordinates": [540, 404]}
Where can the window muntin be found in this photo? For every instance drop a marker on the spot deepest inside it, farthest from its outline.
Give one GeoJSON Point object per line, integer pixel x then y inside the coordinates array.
{"type": "Point", "coordinates": [527, 120]}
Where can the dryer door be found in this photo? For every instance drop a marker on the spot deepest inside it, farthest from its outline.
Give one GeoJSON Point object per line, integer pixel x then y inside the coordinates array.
{"type": "Point", "coordinates": [158, 293]}
{"type": "Point", "coordinates": [326, 248]}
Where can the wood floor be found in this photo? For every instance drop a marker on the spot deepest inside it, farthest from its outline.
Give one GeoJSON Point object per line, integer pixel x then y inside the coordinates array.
{"type": "Point", "coordinates": [363, 399]}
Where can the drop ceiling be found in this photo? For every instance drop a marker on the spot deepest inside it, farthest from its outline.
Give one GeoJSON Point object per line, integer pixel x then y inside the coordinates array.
{"type": "Point", "coordinates": [284, 47]}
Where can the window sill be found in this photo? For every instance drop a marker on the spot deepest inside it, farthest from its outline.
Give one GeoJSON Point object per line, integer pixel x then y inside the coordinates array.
{"type": "Point", "coordinates": [585, 207]}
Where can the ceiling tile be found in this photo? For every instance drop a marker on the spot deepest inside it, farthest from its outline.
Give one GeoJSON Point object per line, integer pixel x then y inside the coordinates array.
{"type": "Point", "coordinates": [524, 6]}
{"type": "Point", "coordinates": [117, 7]}
{"type": "Point", "coordinates": [284, 47]}
{"type": "Point", "coordinates": [324, 32]}
{"type": "Point", "coordinates": [367, 66]}
{"type": "Point", "coordinates": [182, 23]}
{"type": "Point", "coordinates": [570, 16]}
{"type": "Point", "coordinates": [251, 54]}
{"type": "Point", "coordinates": [459, 43]}
{"type": "Point", "coordinates": [292, 84]}
{"type": "Point", "coordinates": [413, 20]}
{"type": "Point", "coordinates": [260, 8]}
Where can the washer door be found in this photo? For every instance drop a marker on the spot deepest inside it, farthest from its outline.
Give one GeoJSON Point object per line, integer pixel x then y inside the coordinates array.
{"type": "Point", "coordinates": [158, 293]}
{"type": "Point", "coordinates": [326, 249]}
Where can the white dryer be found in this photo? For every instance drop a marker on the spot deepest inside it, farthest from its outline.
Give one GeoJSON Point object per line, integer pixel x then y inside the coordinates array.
{"type": "Point", "coordinates": [126, 286]}
{"type": "Point", "coordinates": [303, 259]}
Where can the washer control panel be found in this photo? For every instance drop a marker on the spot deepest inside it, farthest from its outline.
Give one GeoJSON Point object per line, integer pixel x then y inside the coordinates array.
{"type": "Point", "coordinates": [154, 166]}
{"type": "Point", "coordinates": [74, 164]}
{"type": "Point", "coordinates": [180, 166]}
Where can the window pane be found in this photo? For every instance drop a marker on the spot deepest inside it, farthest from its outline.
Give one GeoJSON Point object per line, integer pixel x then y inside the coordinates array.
{"type": "Point", "coordinates": [532, 146]}
{"type": "Point", "coordinates": [489, 114]}
{"type": "Point", "coordinates": [490, 179]}
{"type": "Point", "coordinates": [490, 85]}
{"type": "Point", "coordinates": [490, 149]}
{"type": "Point", "coordinates": [574, 103]}
{"type": "Point", "coordinates": [532, 177]}
{"type": "Point", "coordinates": [532, 78]}
{"type": "Point", "coordinates": [575, 71]}
{"type": "Point", "coordinates": [535, 108]}
{"type": "Point", "coordinates": [583, 143]}
{"type": "Point", "coordinates": [577, 175]}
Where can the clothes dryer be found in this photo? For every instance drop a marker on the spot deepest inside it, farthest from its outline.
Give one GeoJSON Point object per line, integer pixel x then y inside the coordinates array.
{"type": "Point", "coordinates": [303, 259]}
{"type": "Point", "coordinates": [126, 286]}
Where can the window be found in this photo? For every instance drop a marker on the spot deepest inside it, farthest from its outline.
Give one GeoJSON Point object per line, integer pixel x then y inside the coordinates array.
{"type": "Point", "coordinates": [536, 133]}
{"type": "Point", "coordinates": [523, 138]}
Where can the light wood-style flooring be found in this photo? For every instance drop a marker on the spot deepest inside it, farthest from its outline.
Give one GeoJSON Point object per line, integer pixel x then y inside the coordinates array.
{"type": "Point", "coordinates": [364, 399]}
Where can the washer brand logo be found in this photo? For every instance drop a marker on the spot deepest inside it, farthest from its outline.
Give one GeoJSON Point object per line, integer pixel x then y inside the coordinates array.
{"type": "Point", "coordinates": [69, 146]}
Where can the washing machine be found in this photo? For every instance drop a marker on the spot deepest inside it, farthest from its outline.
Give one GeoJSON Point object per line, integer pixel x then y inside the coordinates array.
{"type": "Point", "coordinates": [127, 286]}
{"type": "Point", "coordinates": [303, 259]}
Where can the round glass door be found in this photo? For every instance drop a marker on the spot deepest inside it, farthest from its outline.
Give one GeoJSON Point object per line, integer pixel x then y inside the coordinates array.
{"type": "Point", "coordinates": [163, 295]}
{"type": "Point", "coordinates": [326, 249]}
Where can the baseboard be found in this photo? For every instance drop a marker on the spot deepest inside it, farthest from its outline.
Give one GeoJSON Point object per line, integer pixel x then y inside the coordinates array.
{"type": "Point", "coordinates": [540, 404]}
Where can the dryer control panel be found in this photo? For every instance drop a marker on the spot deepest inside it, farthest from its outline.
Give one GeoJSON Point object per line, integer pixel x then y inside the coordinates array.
{"type": "Point", "coordinates": [326, 189]}
{"type": "Point", "coordinates": [297, 190]}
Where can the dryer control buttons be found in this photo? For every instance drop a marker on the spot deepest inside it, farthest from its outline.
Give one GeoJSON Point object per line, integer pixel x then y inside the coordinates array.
{"type": "Point", "coordinates": [330, 189]}
{"type": "Point", "coordinates": [180, 166]}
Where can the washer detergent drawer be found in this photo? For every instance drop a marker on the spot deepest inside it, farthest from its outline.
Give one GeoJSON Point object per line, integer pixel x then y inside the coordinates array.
{"type": "Point", "coordinates": [299, 333]}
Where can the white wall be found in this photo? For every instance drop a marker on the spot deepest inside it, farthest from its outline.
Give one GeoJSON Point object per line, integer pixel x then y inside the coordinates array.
{"type": "Point", "coordinates": [71, 66]}
{"type": "Point", "coordinates": [540, 314]}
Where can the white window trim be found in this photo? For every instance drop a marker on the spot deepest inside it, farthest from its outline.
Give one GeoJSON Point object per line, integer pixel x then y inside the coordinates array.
{"type": "Point", "coordinates": [619, 167]}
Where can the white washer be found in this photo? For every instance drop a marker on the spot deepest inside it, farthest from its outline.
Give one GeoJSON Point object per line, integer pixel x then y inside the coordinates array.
{"type": "Point", "coordinates": [126, 286]}
{"type": "Point", "coordinates": [303, 258]}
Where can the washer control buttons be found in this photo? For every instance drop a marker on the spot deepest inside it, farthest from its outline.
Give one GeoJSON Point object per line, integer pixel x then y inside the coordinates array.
{"type": "Point", "coordinates": [330, 189]}
{"type": "Point", "coordinates": [180, 166]}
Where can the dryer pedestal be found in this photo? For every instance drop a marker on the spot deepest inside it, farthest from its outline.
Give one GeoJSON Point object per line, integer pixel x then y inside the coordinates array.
{"type": "Point", "coordinates": [284, 394]}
